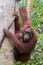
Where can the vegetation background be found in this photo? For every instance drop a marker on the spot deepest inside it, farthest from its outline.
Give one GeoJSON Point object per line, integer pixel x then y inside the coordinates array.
{"type": "Point", "coordinates": [37, 23]}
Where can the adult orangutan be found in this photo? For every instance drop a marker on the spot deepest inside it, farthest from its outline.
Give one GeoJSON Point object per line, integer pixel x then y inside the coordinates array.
{"type": "Point", "coordinates": [24, 40]}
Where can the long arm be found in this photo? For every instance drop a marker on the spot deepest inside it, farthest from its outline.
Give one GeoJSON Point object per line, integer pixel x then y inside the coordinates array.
{"type": "Point", "coordinates": [24, 15]}
{"type": "Point", "coordinates": [17, 25]}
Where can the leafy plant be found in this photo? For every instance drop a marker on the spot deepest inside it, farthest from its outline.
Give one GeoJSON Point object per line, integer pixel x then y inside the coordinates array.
{"type": "Point", "coordinates": [37, 15]}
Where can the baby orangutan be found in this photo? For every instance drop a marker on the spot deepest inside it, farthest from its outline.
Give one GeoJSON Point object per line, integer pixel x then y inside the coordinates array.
{"type": "Point", "coordinates": [24, 40]}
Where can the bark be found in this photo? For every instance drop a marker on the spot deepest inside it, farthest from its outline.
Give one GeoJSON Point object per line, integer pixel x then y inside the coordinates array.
{"type": "Point", "coordinates": [6, 18]}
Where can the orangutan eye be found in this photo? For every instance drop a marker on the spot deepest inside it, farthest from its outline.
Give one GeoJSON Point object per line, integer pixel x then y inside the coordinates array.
{"type": "Point", "coordinates": [28, 30]}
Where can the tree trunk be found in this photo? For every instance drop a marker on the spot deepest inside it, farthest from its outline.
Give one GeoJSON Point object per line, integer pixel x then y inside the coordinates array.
{"type": "Point", "coordinates": [6, 18]}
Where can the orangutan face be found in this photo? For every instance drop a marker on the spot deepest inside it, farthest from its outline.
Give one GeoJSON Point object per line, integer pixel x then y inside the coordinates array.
{"type": "Point", "coordinates": [26, 35]}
